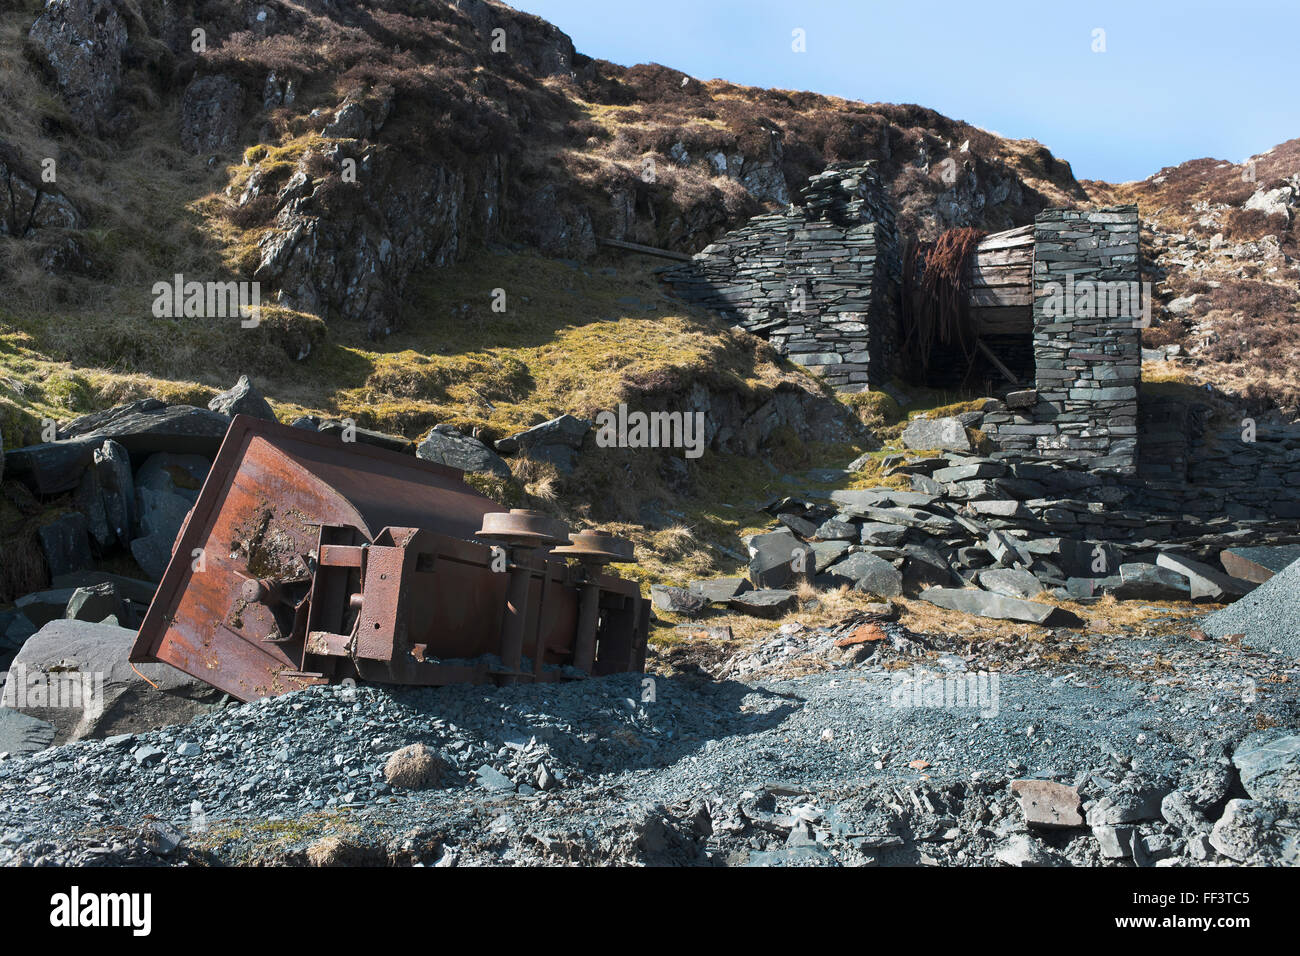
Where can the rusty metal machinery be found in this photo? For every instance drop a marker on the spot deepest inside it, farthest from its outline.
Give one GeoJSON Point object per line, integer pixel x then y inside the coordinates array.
{"type": "Point", "coordinates": [308, 560]}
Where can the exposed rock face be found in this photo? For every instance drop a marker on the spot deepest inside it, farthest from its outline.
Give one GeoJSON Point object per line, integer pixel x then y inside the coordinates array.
{"type": "Point", "coordinates": [543, 49]}
{"type": "Point", "coordinates": [211, 114]}
{"type": "Point", "coordinates": [81, 42]}
{"type": "Point", "coordinates": [1274, 202]}
{"type": "Point", "coordinates": [557, 228]}
{"type": "Point", "coordinates": [347, 249]}
{"type": "Point", "coordinates": [27, 204]}
{"type": "Point", "coordinates": [557, 441]}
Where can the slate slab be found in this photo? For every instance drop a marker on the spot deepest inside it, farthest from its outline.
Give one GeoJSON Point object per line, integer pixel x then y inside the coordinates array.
{"type": "Point", "coordinates": [987, 604]}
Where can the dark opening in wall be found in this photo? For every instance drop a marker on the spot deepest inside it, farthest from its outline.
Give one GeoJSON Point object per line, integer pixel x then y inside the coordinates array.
{"type": "Point", "coordinates": [968, 317]}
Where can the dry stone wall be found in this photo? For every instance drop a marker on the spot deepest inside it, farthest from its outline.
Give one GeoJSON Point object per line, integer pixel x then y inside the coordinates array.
{"type": "Point", "coordinates": [819, 280]}
{"type": "Point", "coordinates": [1087, 349]}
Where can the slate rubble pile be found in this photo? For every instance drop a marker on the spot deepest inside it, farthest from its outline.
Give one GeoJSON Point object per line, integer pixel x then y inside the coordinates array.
{"type": "Point", "coordinates": [986, 535]}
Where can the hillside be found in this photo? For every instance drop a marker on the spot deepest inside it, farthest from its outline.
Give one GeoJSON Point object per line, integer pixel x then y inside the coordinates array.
{"type": "Point", "coordinates": [1223, 245]}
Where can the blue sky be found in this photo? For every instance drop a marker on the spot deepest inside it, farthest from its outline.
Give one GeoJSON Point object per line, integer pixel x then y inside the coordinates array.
{"type": "Point", "coordinates": [1177, 80]}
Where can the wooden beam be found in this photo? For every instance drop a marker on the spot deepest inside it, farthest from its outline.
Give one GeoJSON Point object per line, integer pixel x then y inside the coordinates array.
{"type": "Point", "coordinates": [1001, 295]}
{"type": "Point", "coordinates": [644, 250]}
{"type": "Point", "coordinates": [1020, 236]}
{"type": "Point", "coordinates": [1003, 320]}
{"type": "Point", "coordinates": [997, 362]}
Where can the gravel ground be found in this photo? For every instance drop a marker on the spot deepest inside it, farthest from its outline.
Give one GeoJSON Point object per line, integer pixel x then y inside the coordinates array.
{"type": "Point", "coordinates": [856, 761]}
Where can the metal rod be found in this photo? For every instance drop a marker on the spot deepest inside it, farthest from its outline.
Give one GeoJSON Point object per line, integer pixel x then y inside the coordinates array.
{"type": "Point", "coordinates": [515, 624]}
{"type": "Point", "coordinates": [584, 646]}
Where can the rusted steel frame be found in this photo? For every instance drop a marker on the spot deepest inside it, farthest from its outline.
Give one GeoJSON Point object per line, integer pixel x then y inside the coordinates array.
{"type": "Point", "coordinates": [327, 561]}
{"type": "Point", "coordinates": [287, 468]}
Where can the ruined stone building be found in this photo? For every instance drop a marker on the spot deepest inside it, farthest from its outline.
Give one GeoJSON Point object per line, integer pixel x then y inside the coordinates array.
{"type": "Point", "coordinates": [1054, 307]}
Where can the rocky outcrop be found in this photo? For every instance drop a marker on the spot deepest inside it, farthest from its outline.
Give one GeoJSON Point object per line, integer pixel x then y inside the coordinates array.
{"type": "Point", "coordinates": [243, 399]}
{"type": "Point", "coordinates": [211, 114]}
{"type": "Point", "coordinates": [742, 423]}
{"type": "Point", "coordinates": [542, 49]}
{"type": "Point", "coordinates": [346, 249]}
{"type": "Point", "coordinates": [27, 204]}
{"type": "Point", "coordinates": [81, 43]}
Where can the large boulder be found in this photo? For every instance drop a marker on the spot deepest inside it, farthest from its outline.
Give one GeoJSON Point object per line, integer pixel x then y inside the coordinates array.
{"type": "Point", "coordinates": [116, 484]}
{"type": "Point", "coordinates": [1248, 833]}
{"type": "Point", "coordinates": [41, 607]}
{"type": "Point", "coordinates": [765, 602]}
{"type": "Point", "coordinates": [778, 559]}
{"type": "Point", "coordinates": [65, 541]}
{"type": "Point", "coordinates": [76, 676]}
{"type": "Point", "coordinates": [719, 590]}
{"type": "Point", "coordinates": [1149, 582]}
{"type": "Point", "coordinates": [166, 488]}
{"type": "Point", "coordinates": [1271, 771]}
{"type": "Point", "coordinates": [1206, 583]}
{"type": "Point", "coordinates": [867, 573]}
{"type": "Point", "coordinates": [242, 399]}
{"type": "Point", "coordinates": [96, 604]}
{"type": "Point", "coordinates": [944, 434]}
{"type": "Point", "coordinates": [557, 441]}
{"type": "Point", "coordinates": [23, 734]}
{"type": "Point", "coordinates": [997, 606]}
{"type": "Point", "coordinates": [81, 43]}
{"type": "Point", "coordinates": [1013, 582]}
{"type": "Point", "coordinates": [677, 600]}
{"type": "Point", "coordinates": [139, 428]}
{"type": "Point", "coordinates": [446, 445]}
{"type": "Point", "coordinates": [211, 114]}
{"type": "Point", "coordinates": [89, 501]}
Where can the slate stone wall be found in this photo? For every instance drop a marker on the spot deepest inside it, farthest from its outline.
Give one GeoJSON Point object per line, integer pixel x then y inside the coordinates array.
{"type": "Point", "coordinates": [1087, 345]}
{"type": "Point", "coordinates": [819, 280]}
